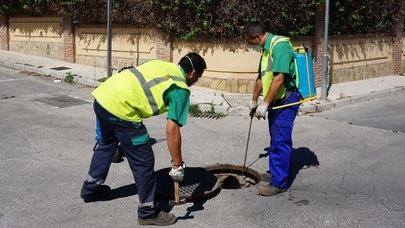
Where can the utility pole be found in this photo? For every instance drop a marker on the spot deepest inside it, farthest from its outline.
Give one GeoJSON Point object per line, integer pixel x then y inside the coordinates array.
{"type": "Point", "coordinates": [109, 37]}
{"type": "Point", "coordinates": [324, 88]}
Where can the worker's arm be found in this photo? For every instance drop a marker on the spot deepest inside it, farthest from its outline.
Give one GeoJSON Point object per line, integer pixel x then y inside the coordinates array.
{"type": "Point", "coordinates": [256, 93]}
{"type": "Point", "coordinates": [173, 137]}
{"type": "Point", "coordinates": [257, 90]}
{"type": "Point", "coordinates": [178, 102]}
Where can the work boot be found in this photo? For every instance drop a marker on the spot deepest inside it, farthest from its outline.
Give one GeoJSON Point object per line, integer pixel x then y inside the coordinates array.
{"type": "Point", "coordinates": [266, 176]}
{"type": "Point", "coordinates": [100, 192]}
{"type": "Point", "coordinates": [162, 219]}
{"type": "Point", "coordinates": [269, 190]}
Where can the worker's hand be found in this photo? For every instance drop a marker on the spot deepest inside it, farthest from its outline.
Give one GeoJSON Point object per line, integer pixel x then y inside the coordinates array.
{"type": "Point", "coordinates": [177, 173]}
{"type": "Point", "coordinates": [252, 107]}
{"type": "Point", "coordinates": [262, 110]}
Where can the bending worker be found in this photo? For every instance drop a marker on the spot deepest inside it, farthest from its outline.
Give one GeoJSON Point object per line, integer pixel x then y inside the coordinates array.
{"type": "Point", "coordinates": [121, 103]}
{"type": "Point", "coordinates": [275, 80]}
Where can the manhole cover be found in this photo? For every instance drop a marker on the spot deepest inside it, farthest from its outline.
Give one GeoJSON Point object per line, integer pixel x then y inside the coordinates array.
{"type": "Point", "coordinates": [233, 177]}
{"type": "Point", "coordinates": [60, 68]}
{"type": "Point", "coordinates": [198, 183]}
{"type": "Point", "coordinates": [62, 101]}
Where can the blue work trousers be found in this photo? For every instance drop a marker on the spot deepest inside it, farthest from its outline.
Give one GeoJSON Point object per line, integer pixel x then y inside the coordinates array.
{"type": "Point", "coordinates": [281, 122]}
{"type": "Point", "coordinates": [139, 154]}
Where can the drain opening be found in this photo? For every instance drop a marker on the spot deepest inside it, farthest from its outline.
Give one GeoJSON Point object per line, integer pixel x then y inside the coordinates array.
{"type": "Point", "coordinates": [208, 115]}
{"type": "Point", "coordinates": [61, 101]}
{"type": "Point", "coordinates": [60, 68]}
{"type": "Point", "coordinates": [232, 176]}
{"type": "Point", "coordinates": [198, 184]}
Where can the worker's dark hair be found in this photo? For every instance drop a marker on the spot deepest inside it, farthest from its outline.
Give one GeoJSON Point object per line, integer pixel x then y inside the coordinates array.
{"type": "Point", "coordinates": [251, 29]}
{"type": "Point", "coordinates": [191, 60]}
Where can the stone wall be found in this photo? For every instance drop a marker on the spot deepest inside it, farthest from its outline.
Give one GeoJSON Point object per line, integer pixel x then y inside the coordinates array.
{"type": "Point", "coordinates": [232, 66]}
{"type": "Point", "coordinates": [130, 46]}
{"type": "Point", "coordinates": [42, 36]}
{"type": "Point", "coordinates": [360, 57]}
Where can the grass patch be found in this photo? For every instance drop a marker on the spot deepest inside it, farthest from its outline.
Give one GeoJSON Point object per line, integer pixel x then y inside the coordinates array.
{"type": "Point", "coordinates": [196, 111]}
{"type": "Point", "coordinates": [69, 78]}
{"type": "Point", "coordinates": [102, 79]}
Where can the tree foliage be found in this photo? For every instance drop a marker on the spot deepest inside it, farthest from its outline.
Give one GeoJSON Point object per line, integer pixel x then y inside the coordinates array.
{"type": "Point", "coordinates": [215, 18]}
{"type": "Point", "coordinates": [219, 19]}
{"type": "Point", "coordinates": [372, 16]}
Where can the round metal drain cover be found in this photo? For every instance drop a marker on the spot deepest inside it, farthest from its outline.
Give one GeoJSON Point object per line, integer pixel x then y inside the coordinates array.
{"type": "Point", "coordinates": [198, 183]}
{"type": "Point", "coordinates": [233, 177]}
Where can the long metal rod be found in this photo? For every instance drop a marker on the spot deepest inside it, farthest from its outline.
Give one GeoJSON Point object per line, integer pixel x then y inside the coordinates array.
{"type": "Point", "coordinates": [109, 37]}
{"type": "Point", "coordinates": [247, 146]}
{"type": "Point", "coordinates": [324, 89]}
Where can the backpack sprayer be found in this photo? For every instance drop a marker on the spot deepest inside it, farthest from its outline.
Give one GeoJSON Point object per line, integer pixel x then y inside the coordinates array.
{"type": "Point", "coordinates": [304, 76]}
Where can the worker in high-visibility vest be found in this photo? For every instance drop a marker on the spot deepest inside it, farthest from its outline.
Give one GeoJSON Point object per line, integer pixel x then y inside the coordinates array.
{"type": "Point", "coordinates": [121, 103]}
{"type": "Point", "coordinates": [276, 81]}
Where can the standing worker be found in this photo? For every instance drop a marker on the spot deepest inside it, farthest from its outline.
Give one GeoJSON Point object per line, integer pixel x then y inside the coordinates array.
{"type": "Point", "coordinates": [121, 103]}
{"type": "Point", "coordinates": [275, 80]}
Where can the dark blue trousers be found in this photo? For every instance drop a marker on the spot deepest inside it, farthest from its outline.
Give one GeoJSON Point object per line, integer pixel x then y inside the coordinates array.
{"type": "Point", "coordinates": [281, 122]}
{"type": "Point", "coordinates": [135, 144]}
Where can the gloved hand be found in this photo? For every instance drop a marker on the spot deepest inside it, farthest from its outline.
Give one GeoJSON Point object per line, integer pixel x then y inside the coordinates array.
{"type": "Point", "coordinates": [252, 107]}
{"type": "Point", "coordinates": [262, 110]}
{"type": "Point", "coordinates": [177, 174]}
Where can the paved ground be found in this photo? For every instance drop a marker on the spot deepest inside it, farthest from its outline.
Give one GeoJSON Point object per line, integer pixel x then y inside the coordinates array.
{"type": "Point", "coordinates": [387, 113]}
{"type": "Point", "coordinates": [45, 152]}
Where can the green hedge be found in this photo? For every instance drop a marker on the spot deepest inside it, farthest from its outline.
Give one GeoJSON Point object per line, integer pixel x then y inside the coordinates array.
{"type": "Point", "coordinates": [215, 19]}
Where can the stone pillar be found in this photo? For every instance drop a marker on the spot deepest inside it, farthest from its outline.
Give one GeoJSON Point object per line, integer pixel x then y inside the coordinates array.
{"type": "Point", "coordinates": [397, 40]}
{"type": "Point", "coordinates": [69, 39]}
{"type": "Point", "coordinates": [4, 33]}
{"type": "Point", "coordinates": [318, 43]}
{"type": "Point", "coordinates": [164, 47]}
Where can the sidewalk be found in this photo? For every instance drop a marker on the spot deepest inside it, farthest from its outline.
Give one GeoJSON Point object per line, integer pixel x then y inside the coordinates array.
{"type": "Point", "coordinates": [339, 95]}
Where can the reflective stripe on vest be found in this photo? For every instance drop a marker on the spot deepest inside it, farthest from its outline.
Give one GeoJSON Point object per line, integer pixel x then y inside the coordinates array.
{"type": "Point", "coordinates": [266, 67]}
{"type": "Point", "coordinates": [146, 86]}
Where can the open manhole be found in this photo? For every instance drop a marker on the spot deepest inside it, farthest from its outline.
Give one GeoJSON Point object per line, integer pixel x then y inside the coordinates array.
{"type": "Point", "coordinates": [198, 184]}
{"type": "Point", "coordinates": [233, 177]}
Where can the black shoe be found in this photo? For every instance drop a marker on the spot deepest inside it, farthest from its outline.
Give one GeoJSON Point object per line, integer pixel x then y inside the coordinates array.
{"type": "Point", "coordinates": [162, 219]}
{"type": "Point", "coordinates": [100, 192]}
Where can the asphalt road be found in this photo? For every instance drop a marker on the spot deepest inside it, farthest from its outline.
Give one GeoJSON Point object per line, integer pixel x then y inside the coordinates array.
{"type": "Point", "coordinates": [387, 113]}
{"type": "Point", "coordinates": [45, 152]}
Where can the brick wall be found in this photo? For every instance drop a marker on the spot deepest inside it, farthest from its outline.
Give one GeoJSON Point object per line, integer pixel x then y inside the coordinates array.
{"type": "Point", "coordinates": [68, 40]}
{"type": "Point", "coordinates": [4, 35]}
{"type": "Point", "coordinates": [397, 41]}
{"type": "Point", "coordinates": [318, 43]}
{"type": "Point", "coordinates": [163, 48]}
{"type": "Point", "coordinates": [397, 54]}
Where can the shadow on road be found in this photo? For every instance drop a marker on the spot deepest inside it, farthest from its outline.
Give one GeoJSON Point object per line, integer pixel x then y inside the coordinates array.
{"type": "Point", "coordinates": [301, 158]}
{"type": "Point", "coordinates": [121, 192]}
{"type": "Point", "coordinates": [197, 206]}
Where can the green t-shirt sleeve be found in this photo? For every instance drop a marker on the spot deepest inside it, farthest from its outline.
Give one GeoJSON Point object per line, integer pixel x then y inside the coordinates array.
{"type": "Point", "coordinates": [282, 57]}
{"type": "Point", "coordinates": [178, 100]}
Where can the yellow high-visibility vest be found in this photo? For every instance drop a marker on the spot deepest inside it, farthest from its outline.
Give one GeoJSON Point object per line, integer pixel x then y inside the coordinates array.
{"type": "Point", "coordinates": [137, 93]}
{"type": "Point", "coordinates": [266, 67]}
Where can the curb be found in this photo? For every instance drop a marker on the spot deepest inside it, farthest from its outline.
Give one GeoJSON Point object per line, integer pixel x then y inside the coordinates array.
{"type": "Point", "coordinates": [224, 107]}
{"type": "Point", "coordinates": [49, 73]}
